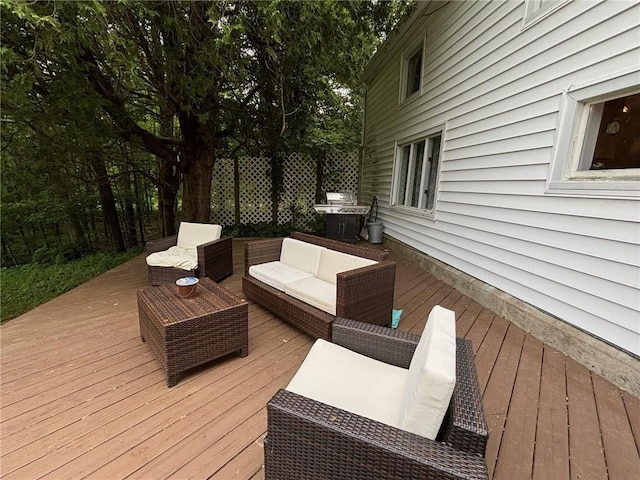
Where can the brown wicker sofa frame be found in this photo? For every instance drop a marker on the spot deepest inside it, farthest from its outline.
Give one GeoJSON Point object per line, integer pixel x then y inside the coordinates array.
{"type": "Point", "coordinates": [309, 439]}
{"type": "Point", "coordinates": [364, 294]}
{"type": "Point", "coordinates": [215, 261]}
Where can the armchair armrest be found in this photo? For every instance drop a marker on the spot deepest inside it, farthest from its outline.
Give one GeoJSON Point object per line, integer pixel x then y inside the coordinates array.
{"type": "Point", "coordinates": [261, 251]}
{"type": "Point", "coordinates": [161, 244]}
{"type": "Point", "coordinates": [215, 259]}
{"type": "Point", "coordinates": [366, 293]}
{"type": "Point", "coordinates": [465, 426]}
{"type": "Point", "coordinates": [308, 439]}
{"type": "Point", "coordinates": [394, 347]}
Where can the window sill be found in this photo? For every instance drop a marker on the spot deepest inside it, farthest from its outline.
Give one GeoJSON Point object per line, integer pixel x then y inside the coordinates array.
{"type": "Point", "coordinates": [410, 99]}
{"type": "Point", "coordinates": [414, 212]}
{"type": "Point", "coordinates": [595, 187]}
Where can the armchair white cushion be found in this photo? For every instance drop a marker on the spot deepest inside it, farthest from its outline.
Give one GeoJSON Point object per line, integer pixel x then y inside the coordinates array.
{"type": "Point", "coordinates": [184, 254]}
{"type": "Point", "coordinates": [336, 376]}
{"type": "Point", "coordinates": [432, 375]}
{"type": "Point", "coordinates": [414, 399]}
{"type": "Point", "coordinates": [190, 235]}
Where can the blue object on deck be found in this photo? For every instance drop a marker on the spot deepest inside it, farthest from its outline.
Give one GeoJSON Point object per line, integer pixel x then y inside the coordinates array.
{"type": "Point", "coordinates": [395, 318]}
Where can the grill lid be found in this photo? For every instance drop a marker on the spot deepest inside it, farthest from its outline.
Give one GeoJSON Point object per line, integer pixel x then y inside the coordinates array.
{"type": "Point", "coordinates": [341, 198]}
{"type": "Point", "coordinates": [342, 203]}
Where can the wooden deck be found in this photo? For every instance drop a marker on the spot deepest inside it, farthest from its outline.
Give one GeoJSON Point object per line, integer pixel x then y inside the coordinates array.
{"type": "Point", "coordinates": [83, 397]}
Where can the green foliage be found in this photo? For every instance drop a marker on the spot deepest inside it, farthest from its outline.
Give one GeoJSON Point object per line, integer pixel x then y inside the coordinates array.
{"type": "Point", "coordinates": [27, 286]}
{"type": "Point", "coordinates": [96, 95]}
{"type": "Point", "coordinates": [268, 229]}
{"type": "Point", "coordinates": [60, 254]}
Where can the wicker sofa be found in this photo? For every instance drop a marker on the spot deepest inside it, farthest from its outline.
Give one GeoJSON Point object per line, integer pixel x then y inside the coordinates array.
{"type": "Point", "coordinates": [310, 439]}
{"type": "Point", "coordinates": [364, 294]}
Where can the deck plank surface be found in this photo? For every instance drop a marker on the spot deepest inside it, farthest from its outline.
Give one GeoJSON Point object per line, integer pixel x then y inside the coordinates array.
{"type": "Point", "coordinates": [82, 397]}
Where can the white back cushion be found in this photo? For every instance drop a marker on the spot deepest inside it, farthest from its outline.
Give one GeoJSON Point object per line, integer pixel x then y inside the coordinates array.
{"type": "Point", "coordinates": [432, 376]}
{"type": "Point", "coordinates": [190, 235]}
{"type": "Point", "coordinates": [332, 262]}
{"type": "Point", "coordinates": [301, 255]}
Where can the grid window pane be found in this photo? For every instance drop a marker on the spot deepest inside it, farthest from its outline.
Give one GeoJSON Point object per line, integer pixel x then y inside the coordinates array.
{"type": "Point", "coordinates": [416, 173]}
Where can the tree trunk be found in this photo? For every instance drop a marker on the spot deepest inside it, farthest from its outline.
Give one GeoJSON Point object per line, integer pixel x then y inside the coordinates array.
{"type": "Point", "coordinates": [197, 184]}
{"type": "Point", "coordinates": [130, 216]}
{"type": "Point", "coordinates": [168, 185]}
{"type": "Point", "coordinates": [109, 212]}
{"type": "Point", "coordinates": [168, 175]}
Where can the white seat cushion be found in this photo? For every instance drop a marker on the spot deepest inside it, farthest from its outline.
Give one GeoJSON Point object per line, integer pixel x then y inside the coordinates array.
{"type": "Point", "coordinates": [432, 376]}
{"type": "Point", "coordinates": [276, 274]}
{"type": "Point", "coordinates": [336, 376]}
{"type": "Point", "coordinates": [315, 292]}
{"type": "Point", "coordinates": [302, 256]}
{"type": "Point", "coordinates": [190, 235]}
{"type": "Point", "coordinates": [175, 257]}
{"type": "Point", "coordinates": [332, 262]}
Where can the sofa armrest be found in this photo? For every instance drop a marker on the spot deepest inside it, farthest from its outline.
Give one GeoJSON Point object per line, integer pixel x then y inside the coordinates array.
{"type": "Point", "coordinates": [161, 244]}
{"type": "Point", "coordinates": [309, 439]}
{"type": "Point", "coordinates": [366, 293]}
{"type": "Point", "coordinates": [391, 346]}
{"type": "Point", "coordinates": [215, 259]}
{"type": "Point", "coordinates": [261, 251]}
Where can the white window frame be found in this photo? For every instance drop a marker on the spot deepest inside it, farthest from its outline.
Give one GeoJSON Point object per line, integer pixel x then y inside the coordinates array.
{"type": "Point", "coordinates": [567, 173]}
{"type": "Point", "coordinates": [404, 72]}
{"type": "Point", "coordinates": [397, 165]}
{"type": "Point", "coordinates": [536, 10]}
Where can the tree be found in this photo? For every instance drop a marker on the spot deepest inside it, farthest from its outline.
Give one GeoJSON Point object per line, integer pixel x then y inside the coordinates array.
{"type": "Point", "coordinates": [189, 80]}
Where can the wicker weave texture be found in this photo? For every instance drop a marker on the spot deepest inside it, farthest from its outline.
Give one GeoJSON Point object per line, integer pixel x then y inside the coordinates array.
{"type": "Point", "coordinates": [187, 332]}
{"type": "Point", "coordinates": [308, 439]}
{"type": "Point", "coordinates": [364, 294]}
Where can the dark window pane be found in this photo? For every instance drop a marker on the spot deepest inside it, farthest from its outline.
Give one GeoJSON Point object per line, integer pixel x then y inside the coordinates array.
{"type": "Point", "coordinates": [618, 143]}
{"type": "Point", "coordinates": [414, 73]}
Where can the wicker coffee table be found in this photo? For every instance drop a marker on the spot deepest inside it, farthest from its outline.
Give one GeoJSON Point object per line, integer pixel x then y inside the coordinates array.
{"type": "Point", "coordinates": [186, 332]}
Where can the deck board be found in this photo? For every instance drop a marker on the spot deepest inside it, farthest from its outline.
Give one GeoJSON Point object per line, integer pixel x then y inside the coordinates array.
{"type": "Point", "coordinates": [515, 459]}
{"type": "Point", "coordinates": [82, 397]}
{"type": "Point", "coordinates": [617, 437]}
{"type": "Point", "coordinates": [552, 435]}
{"type": "Point", "coordinates": [586, 451]}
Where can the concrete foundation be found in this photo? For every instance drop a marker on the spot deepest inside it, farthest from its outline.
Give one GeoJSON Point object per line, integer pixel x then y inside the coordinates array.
{"type": "Point", "coordinates": [619, 367]}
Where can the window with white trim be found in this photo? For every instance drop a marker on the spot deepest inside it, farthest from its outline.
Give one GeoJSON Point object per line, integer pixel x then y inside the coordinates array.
{"type": "Point", "coordinates": [416, 173]}
{"type": "Point", "coordinates": [411, 74]}
{"type": "Point", "coordinates": [597, 148]}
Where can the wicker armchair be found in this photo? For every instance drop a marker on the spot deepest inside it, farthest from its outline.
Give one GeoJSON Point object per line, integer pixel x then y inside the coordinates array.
{"type": "Point", "coordinates": [215, 261]}
{"type": "Point", "coordinates": [309, 439]}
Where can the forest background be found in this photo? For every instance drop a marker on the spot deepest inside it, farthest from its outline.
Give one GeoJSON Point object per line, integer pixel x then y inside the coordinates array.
{"type": "Point", "coordinates": [113, 115]}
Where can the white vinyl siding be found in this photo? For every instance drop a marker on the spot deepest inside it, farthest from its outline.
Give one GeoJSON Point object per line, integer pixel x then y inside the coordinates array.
{"type": "Point", "coordinates": [498, 88]}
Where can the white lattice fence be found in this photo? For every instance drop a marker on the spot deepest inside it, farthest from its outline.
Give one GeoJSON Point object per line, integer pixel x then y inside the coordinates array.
{"type": "Point", "coordinates": [298, 196]}
{"type": "Point", "coordinates": [299, 179]}
{"type": "Point", "coordinates": [341, 173]}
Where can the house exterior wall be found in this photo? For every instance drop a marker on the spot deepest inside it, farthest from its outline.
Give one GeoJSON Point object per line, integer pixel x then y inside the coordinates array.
{"type": "Point", "coordinates": [497, 88]}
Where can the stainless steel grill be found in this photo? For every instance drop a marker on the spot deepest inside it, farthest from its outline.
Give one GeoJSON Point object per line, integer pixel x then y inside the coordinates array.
{"type": "Point", "coordinates": [342, 213]}
{"type": "Point", "coordinates": [341, 203]}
